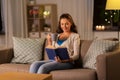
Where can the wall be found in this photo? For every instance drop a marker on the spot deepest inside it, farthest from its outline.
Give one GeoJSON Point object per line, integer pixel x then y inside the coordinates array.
{"type": "Point", "coordinates": [2, 40]}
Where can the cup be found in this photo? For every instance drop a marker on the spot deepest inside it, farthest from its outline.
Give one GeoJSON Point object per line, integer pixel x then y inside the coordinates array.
{"type": "Point", "coordinates": [54, 38]}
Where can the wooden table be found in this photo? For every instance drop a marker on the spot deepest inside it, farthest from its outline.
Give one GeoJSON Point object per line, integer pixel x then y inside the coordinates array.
{"type": "Point", "coordinates": [24, 76]}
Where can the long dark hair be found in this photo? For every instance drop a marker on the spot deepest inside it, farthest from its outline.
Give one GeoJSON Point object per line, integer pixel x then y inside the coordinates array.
{"type": "Point", "coordinates": [68, 17]}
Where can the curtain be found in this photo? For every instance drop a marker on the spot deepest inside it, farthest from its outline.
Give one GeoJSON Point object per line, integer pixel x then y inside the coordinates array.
{"type": "Point", "coordinates": [14, 19]}
{"type": "Point", "coordinates": [85, 19]}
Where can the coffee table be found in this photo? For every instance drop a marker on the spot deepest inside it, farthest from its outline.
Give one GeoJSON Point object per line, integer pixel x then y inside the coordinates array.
{"type": "Point", "coordinates": [24, 76]}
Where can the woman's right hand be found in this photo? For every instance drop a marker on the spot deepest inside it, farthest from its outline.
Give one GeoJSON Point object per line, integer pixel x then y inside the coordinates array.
{"type": "Point", "coordinates": [49, 40]}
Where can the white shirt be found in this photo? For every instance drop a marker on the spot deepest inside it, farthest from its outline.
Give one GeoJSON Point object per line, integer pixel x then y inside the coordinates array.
{"type": "Point", "coordinates": [72, 44]}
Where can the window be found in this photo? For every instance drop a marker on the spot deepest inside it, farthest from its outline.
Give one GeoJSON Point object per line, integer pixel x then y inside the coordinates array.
{"type": "Point", "coordinates": [104, 20]}
{"type": "Point", "coordinates": [0, 17]}
{"type": "Point", "coordinates": [2, 31]}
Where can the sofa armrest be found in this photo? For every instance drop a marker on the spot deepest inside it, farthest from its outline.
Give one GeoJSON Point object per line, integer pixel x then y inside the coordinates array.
{"type": "Point", "coordinates": [108, 66]}
{"type": "Point", "coordinates": [6, 55]}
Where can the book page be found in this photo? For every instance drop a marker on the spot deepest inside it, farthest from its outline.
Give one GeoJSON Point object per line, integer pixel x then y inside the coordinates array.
{"type": "Point", "coordinates": [50, 47]}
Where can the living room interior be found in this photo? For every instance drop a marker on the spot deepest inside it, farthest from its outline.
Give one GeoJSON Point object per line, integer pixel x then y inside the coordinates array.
{"type": "Point", "coordinates": [15, 14]}
{"type": "Point", "coordinates": [82, 12]}
{"type": "Point", "coordinates": [18, 23]}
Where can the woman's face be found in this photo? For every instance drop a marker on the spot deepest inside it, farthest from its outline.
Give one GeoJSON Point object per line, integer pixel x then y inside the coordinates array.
{"type": "Point", "coordinates": [65, 25]}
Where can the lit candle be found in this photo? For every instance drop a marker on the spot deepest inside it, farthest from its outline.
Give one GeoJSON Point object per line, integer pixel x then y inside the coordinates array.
{"type": "Point", "coordinates": [97, 27]}
{"type": "Point", "coordinates": [103, 27]}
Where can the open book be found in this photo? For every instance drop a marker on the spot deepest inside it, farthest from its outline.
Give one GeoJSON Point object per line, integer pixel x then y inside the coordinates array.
{"type": "Point", "coordinates": [61, 52]}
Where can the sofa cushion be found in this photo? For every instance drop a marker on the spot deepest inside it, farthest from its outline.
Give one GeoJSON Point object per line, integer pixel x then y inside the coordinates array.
{"type": "Point", "coordinates": [27, 50]}
{"type": "Point", "coordinates": [85, 44]}
{"type": "Point", "coordinates": [96, 48]}
{"type": "Point", "coordinates": [74, 74]}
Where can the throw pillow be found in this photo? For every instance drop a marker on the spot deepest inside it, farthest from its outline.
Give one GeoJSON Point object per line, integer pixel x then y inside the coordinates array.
{"type": "Point", "coordinates": [96, 48]}
{"type": "Point", "coordinates": [27, 50]}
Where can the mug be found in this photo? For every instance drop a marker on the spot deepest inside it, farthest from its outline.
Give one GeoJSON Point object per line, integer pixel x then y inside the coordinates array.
{"type": "Point", "coordinates": [54, 36]}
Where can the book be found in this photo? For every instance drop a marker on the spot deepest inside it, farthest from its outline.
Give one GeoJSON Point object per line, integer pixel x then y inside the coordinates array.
{"type": "Point", "coordinates": [62, 53]}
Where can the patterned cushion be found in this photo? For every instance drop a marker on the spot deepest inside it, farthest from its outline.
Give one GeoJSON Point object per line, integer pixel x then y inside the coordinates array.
{"type": "Point", "coordinates": [96, 48]}
{"type": "Point", "coordinates": [27, 50]}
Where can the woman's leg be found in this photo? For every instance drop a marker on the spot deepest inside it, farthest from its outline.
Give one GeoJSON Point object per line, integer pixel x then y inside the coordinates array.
{"type": "Point", "coordinates": [35, 66]}
{"type": "Point", "coordinates": [50, 66]}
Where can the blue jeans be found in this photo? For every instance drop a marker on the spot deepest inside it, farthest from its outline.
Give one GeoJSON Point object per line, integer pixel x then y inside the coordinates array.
{"type": "Point", "coordinates": [44, 67]}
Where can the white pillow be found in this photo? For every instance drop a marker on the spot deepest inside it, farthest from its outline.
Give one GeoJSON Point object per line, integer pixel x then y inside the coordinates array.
{"type": "Point", "coordinates": [96, 48]}
{"type": "Point", "coordinates": [27, 50]}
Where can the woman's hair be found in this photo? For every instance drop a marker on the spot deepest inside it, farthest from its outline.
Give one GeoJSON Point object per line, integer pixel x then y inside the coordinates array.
{"type": "Point", "coordinates": [69, 18]}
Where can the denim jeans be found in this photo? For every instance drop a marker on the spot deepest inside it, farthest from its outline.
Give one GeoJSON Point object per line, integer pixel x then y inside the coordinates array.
{"type": "Point", "coordinates": [45, 67]}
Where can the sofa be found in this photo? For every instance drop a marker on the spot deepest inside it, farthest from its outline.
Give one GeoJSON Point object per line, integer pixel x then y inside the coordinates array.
{"type": "Point", "coordinates": [107, 65]}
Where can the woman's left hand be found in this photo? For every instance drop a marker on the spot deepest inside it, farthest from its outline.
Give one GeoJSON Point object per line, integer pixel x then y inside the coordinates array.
{"type": "Point", "coordinates": [62, 61]}
{"type": "Point", "coordinates": [58, 59]}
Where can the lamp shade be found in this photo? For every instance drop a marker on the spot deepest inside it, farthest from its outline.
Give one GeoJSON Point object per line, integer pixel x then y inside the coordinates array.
{"type": "Point", "coordinates": [113, 5]}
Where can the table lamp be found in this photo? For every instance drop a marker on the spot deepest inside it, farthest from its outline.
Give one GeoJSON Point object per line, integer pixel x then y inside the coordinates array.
{"type": "Point", "coordinates": [113, 5]}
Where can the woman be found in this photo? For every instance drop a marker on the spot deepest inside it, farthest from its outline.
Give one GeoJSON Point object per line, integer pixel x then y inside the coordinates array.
{"type": "Point", "coordinates": [68, 38]}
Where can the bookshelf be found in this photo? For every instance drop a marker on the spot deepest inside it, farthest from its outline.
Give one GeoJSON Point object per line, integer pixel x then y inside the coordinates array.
{"type": "Point", "coordinates": [41, 18]}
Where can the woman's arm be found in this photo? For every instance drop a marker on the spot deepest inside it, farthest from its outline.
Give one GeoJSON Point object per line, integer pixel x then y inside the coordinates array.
{"type": "Point", "coordinates": [76, 47]}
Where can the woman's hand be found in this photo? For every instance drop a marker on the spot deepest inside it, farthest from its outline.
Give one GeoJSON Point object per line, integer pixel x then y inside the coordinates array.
{"type": "Point", "coordinates": [49, 40]}
{"type": "Point", "coordinates": [58, 59]}
{"type": "Point", "coordinates": [62, 61]}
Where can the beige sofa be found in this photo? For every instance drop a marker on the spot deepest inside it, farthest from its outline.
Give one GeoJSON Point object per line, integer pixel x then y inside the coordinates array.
{"type": "Point", "coordinates": [108, 66]}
